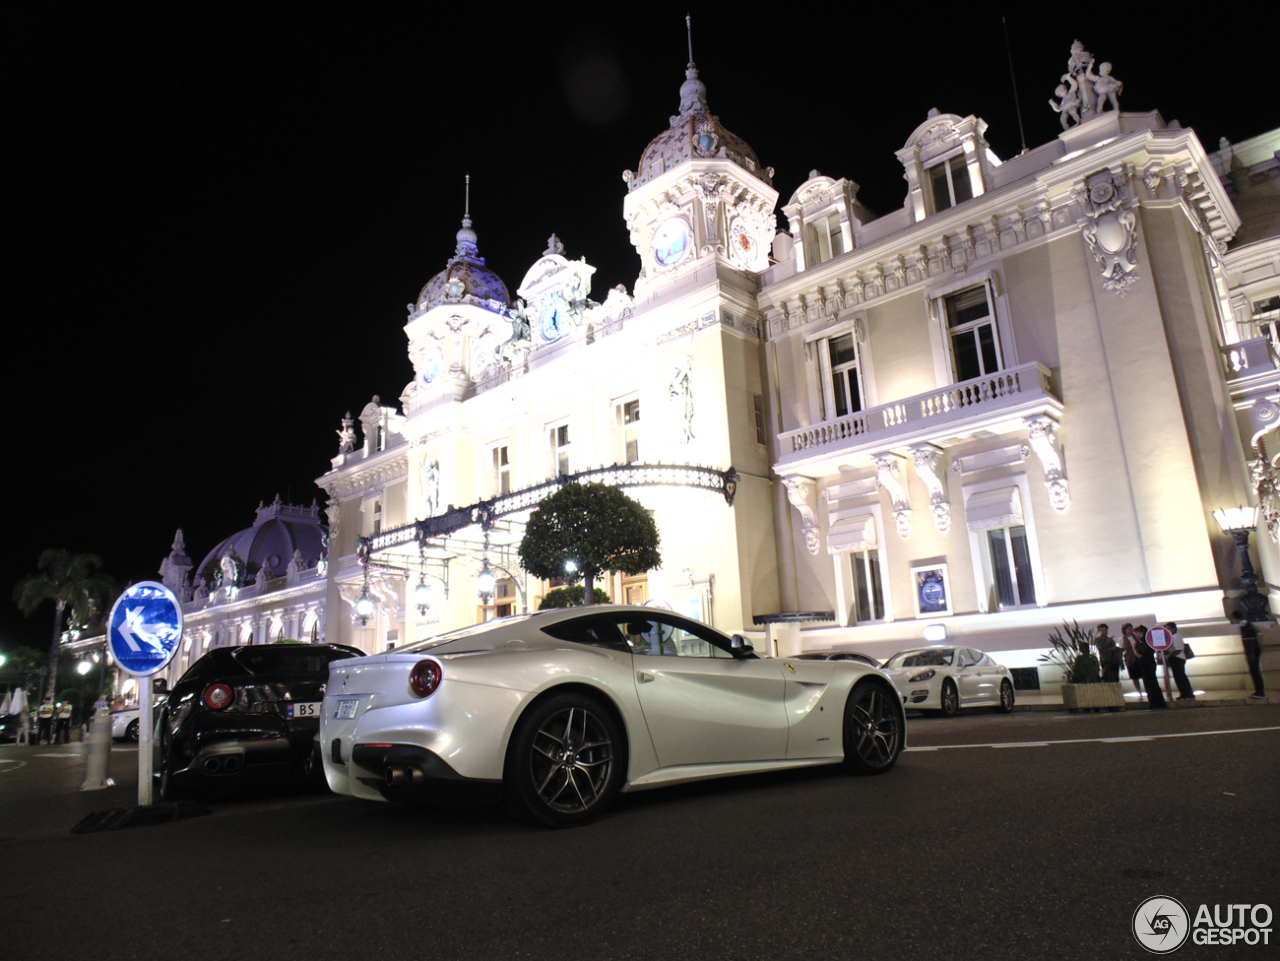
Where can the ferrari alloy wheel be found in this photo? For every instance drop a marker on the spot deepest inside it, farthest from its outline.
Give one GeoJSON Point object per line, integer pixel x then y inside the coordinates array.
{"type": "Point", "coordinates": [131, 732]}
{"type": "Point", "coordinates": [950, 699]}
{"type": "Point", "coordinates": [873, 729]}
{"type": "Point", "coordinates": [562, 768]}
{"type": "Point", "coordinates": [1006, 697]}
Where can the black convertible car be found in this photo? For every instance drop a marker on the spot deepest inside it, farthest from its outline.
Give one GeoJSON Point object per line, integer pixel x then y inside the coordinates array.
{"type": "Point", "coordinates": [243, 712]}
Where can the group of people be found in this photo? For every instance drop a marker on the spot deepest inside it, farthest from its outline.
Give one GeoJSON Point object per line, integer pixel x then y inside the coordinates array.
{"type": "Point", "coordinates": [53, 722]}
{"type": "Point", "coordinates": [1140, 660]}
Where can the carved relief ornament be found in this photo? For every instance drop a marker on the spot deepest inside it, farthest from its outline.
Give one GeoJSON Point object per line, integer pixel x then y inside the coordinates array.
{"type": "Point", "coordinates": [928, 462]}
{"type": "Point", "coordinates": [1110, 231]}
{"type": "Point", "coordinates": [888, 474]}
{"type": "Point", "coordinates": [800, 492]}
{"type": "Point", "coordinates": [1044, 441]}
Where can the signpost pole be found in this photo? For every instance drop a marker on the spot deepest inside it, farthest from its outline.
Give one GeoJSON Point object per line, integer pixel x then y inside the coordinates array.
{"type": "Point", "coordinates": [143, 631]}
{"type": "Point", "coordinates": [144, 743]}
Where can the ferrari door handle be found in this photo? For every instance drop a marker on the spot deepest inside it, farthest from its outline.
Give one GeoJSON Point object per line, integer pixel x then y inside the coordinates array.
{"type": "Point", "coordinates": [644, 678]}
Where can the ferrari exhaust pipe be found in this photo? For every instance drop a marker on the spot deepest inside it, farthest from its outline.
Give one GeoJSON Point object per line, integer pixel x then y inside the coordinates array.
{"type": "Point", "coordinates": [404, 775]}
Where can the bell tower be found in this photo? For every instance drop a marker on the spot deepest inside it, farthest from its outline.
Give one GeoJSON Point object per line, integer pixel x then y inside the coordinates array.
{"type": "Point", "coordinates": [699, 196]}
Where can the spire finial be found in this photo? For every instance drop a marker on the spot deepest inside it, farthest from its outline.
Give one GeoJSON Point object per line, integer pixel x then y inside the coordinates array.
{"type": "Point", "coordinates": [467, 246]}
{"type": "Point", "coordinates": [693, 95]}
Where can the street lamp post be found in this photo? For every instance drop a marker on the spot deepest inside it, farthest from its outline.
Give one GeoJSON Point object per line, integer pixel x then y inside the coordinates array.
{"type": "Point", "coordinates": [1240, 522]}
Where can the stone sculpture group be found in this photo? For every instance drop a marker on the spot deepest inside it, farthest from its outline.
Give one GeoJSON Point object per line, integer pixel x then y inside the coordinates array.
{"type": "Point", "coordinates": [1083, 94]}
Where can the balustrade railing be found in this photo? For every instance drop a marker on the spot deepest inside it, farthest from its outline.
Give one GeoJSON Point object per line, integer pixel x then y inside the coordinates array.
{"type": "Point", "coordinates": [1006, 388]}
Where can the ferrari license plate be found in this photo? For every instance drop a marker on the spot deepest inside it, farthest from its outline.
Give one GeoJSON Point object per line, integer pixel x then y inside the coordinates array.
{"type": "Point", "coordinates": [309, 709]}
{"type": "Point", "coordinates": [346, 709]}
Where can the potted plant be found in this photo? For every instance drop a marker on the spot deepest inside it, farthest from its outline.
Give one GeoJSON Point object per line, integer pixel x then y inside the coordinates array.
{"type": "Point", "coordinates": [1083, 688]}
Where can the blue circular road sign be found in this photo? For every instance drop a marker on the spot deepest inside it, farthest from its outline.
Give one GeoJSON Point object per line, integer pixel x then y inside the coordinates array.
{"type": "Point", "coordinates": [144, 628]}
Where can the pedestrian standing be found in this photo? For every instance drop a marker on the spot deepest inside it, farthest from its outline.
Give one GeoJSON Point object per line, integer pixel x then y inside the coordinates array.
{"type": "Point", "coordinates": [19, 706]}
{"type": "Point", "coordinates": [1108, 654]}
{"type": "Point", "coordinates": [1128, 644]}
{"type": "Point", "coordinates": [1176, 658]}
{"type": "Point", "coordinates": [1252, 654]}
{"type": "Point", "coordinates": [63, 733]}
{"type": "Point", "coordinates": [1147, 669]}
{"type": "Point", "coordinates": [44, 717]}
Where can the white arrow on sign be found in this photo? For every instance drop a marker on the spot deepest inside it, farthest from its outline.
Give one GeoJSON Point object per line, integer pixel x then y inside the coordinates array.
{"type": "Point", "coordinates": [133, 630]}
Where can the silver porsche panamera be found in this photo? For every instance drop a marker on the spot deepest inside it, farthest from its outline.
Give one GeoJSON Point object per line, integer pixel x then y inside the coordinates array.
{"type": "Point", "coordinates": [561, 710]}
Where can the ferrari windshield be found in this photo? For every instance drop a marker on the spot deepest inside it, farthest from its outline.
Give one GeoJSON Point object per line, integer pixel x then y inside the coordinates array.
{"type": "Point", "coordinates": [927, 658]}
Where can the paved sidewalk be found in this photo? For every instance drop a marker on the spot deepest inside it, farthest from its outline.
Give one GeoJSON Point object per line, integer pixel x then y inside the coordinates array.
{"type": "Point", "coordinates": [1033, 701]}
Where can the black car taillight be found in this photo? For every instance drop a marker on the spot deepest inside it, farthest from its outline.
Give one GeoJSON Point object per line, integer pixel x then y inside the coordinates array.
{"type": "Point", "coordinates": [218, 696]}
{"type": "Point", "coordinates": [425, 678]}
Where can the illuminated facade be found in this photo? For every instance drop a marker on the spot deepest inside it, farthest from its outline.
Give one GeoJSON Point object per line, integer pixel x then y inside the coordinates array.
{"type": "Point", "coordinates": [1014, 400]}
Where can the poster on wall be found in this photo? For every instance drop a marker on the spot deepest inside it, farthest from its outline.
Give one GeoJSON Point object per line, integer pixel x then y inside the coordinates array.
{"type": "Point", "coordinates": [932, 590]}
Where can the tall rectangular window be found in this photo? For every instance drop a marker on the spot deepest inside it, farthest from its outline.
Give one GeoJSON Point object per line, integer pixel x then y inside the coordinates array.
{"type": "Point", "coordinates": [758, 402]}
{"type": "Point", "coordinates": [501, 471]}
{"type": "Point", "coordinates": [841, 374]}
{"type": "Point", "coordinates": [1011, 566]}
{"type": "Point", "coordinates": [823, 240]}
{"type": "Point", "coordinates": [631, 430]}
{"type": "Point", "coordinates": [951, 185]}
{"type": "Point", "coordinates": [560, 441]}
{"type": "Point", "coordinates": [377, 517]}
{"type": "Point", "coordinates": [868, 594]}
{"type": "Point", "coordinates": [971, 324]}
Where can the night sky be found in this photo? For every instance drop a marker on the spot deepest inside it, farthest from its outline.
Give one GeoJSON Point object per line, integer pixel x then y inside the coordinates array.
{"type": "Point", "coordinates": [216, 216]}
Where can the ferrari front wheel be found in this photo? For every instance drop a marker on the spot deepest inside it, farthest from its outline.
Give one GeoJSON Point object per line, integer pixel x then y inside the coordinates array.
{"type": "Point", "coordinates": [563, 767]}
{"type": "Point", "coordinates": [873, 728]}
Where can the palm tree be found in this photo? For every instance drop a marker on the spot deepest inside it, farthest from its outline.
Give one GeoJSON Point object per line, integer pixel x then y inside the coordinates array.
{"type": "Point", "coordinates": [72, 582]}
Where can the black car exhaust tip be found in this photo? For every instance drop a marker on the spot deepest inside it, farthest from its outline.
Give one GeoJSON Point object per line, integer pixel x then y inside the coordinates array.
{"type": "Point", "coordinates": [211, 765]}
{"type": "Point", "coordinates": [232, 764]}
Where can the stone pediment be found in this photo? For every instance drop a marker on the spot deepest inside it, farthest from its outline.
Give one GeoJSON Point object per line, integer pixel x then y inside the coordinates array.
{"type": "Point", "coordinates": [941, 133]}
{"type": "Point", "coordinates": [556, 273]}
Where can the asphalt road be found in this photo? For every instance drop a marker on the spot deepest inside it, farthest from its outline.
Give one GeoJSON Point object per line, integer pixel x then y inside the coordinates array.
{"type": "Point", "coordinates": [1042, 846]}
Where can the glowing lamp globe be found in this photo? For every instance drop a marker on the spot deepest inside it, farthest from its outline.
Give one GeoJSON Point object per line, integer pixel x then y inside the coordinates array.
{"type": "Point", "coordinates": [1236, 519]}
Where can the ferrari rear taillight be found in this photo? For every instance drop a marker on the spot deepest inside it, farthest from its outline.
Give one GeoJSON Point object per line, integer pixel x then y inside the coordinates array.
{"type": "Point", "coordinates": [218, 696]}
{"type": "Point", "coordinates": [425, 678]}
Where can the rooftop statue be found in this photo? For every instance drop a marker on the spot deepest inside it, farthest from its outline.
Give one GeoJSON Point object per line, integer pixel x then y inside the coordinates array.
{"type": "Point", "coordinates": [347, 436]}
{"type": "Point", "coordinates": [1083, 94]}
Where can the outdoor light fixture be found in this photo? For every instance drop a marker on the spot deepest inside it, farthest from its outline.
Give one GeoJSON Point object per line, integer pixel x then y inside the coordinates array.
{"type": "Point", "coordinates": [84, 667]}
{"type": "Point", "coordinates": [1240, 522]}
{"type": "Point", "coordinates": [364, 606]}
{"type": "Point", "coordinates": [570, 567]}
{"type": "Point", "coordinates": [485, 581]}
{"type": "Point", "coordinates": [422, 594]}
{"type": "Point", "coordinates": [1, 660]}
{"type": "Point", "coordinates": [1235, 519]}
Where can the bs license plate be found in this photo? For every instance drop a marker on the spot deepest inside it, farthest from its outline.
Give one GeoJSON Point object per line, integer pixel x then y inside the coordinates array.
{"type": "Point", "coordinates": [311, 709]}
{"type": "Point", "coordinates": [346, 709]}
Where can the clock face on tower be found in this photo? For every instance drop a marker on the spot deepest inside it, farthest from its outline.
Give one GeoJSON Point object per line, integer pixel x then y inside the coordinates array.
{"type": "Point", "coordinates": [671, 242]}
{"type": "Point", "coordinates": [742, 242]}
{"type": "Point", "coordinates": [552, 320]}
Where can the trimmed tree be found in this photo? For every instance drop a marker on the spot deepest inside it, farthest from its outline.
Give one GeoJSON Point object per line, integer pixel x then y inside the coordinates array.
{"type": "Point", "coordinates": [73, 583]}
{"type": "Point", "coordinates": [596, 526]}
{"type": "Point", "coordinates": [571, 596]}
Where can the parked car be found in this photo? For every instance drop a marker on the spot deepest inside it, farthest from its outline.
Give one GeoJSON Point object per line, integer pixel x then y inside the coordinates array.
{"type": "Point", "coordinates": [945, 679]}
{"type": "Point", "coordinates": [10, 724]}
{"type": "Point", "coordinates": [563, 709]}
{"type": "Point", "coordinates": [838, 656]}
{"type": "Point", "coordinates": [124, 724]}
{"type": "Point", "coordinates": [243, 712]}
